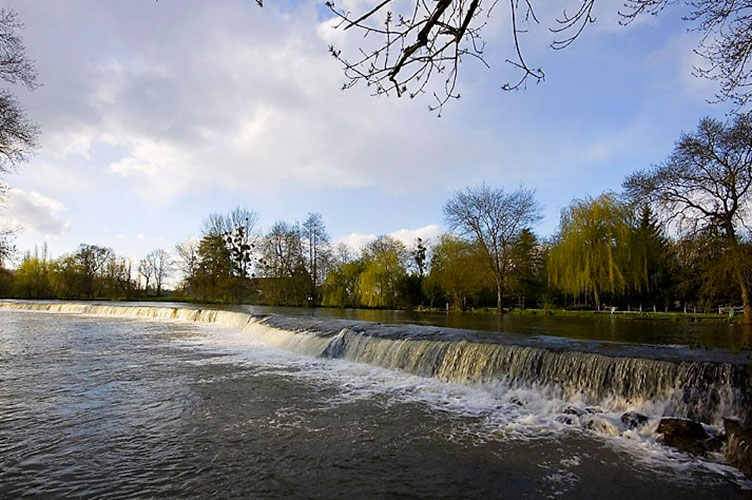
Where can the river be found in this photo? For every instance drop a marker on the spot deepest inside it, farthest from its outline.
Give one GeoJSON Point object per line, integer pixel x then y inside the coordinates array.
{"type": "Point", "coordinates": [173, 405]}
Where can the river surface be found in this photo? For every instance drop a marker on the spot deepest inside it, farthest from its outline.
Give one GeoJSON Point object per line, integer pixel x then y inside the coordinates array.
{"type": "Point", "coordinates": [622, 328]}
{"type": "Point", "coordinates": [124, 408]}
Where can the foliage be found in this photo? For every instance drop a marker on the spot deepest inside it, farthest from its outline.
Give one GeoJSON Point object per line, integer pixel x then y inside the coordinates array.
{"type": "Point", "coordinates": [705, 186]}
{"type": "Point", "coordinates": [384, 269]}
{"type": "Point", "coordinates": [594, 251]}
{"type": "Point", "coordinates": [458, 271]}
{"type": "Point", "coordinates": [494, 219]}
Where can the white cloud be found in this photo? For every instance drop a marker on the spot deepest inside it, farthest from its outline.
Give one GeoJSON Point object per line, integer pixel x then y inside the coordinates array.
{"type": "Point", "coordinates": [356, 241]}
{"type": "Point", "coordinates": [35, 212]}
{"type": "Point", "coordinates": [408, 236]}
{"type": "Point", "coordinates": [257, 105]}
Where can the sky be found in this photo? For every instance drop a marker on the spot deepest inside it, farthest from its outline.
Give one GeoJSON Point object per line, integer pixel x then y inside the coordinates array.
{"type": "Point", "coordinates": [155, 114]}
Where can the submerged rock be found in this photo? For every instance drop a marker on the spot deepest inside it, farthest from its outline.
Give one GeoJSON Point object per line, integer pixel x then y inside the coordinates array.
{"type": "Point", "coordinates": [567, 419]}
{"type": "Point", "coordinates": [738, 449]}
{"type": "Point", "coordinates": [600, 425]}
{"type": "Point", "coordinates": [573, 410]}
{"type": "Point", "coordinates": [633, 419]}
{"type": "Point", "coordinates": [685, 435]}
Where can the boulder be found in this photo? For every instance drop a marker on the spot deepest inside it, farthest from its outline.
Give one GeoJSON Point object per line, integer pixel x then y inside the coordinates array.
{"type": "Point", "coordinates": [738, 449]}
{"type": "Point", "coordinates": [633, 419]}
{"type": "Point", "coordinates": [685, 435]}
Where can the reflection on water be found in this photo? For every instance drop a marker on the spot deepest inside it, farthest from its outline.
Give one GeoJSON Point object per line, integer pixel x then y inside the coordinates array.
{"type": "Point", "coordinates": [603, 327]}
{"type": "Point", "coordinates": [596, 327]}
{"type": "Point", "coordinates": [95, 407]}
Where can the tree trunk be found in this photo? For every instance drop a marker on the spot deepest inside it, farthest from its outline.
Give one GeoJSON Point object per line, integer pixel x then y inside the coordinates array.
{"type": "Point", "coordinates": [745, 294]}
{"type": "Point", "coordinates": [739, 271]}
{"type": "Point", "coordinates": [499, 295]}
{"type": "Point", "coordinates": [597, 297]}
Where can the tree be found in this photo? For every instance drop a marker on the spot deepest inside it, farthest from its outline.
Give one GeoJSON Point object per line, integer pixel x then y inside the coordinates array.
{"type": "Point", "coordinates": [458, 270]}
{"type": "Point", "coordinates": [593, 251]}
{"type": "Point", "coordinates": [91, 261]}
{"type": "Point", "coordinates": [118, 274]}
{"type": "Point", "coordinates": [418, 253]}
{"type": "Point", "coordinates": [213, 278]}
{"type": "Point", "coordinates": [146, 271]}
{"type": "Point", "coordinates": [282, 263]}
{"type": "Point", "coordinates": [18, 134]}
{"type": "Point", "coordinates": [704, 186]}
{"type": "Point", "coordinates": [160, 265]}
{"type": "Point", "coordinates": [726, 43]}
{"type": "Point", "coordinates": [342, 284]}
{"type": "Point", "coordinates": [526, 266]}
{"type": "Point", "coordinates": [384, 269]}
{"type": "Point", "coordinates": [316, 246]}
{"type": "Point", "coordinates": [652, 247]}
{"type": "Point", "coordinates": [494, 219]}
{"type": "Point", "coordinates": [187, 259]}
{"type": "Point", "coordinates": [31, 279]}
{"type": "Point", "coordinates": [409, 45]}
{"type": "Point", "coordinates": [238, 230]}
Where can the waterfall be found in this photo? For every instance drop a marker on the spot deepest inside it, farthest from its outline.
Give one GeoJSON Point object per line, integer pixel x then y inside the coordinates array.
{"type": "Point", "coordinates": [705, 391]}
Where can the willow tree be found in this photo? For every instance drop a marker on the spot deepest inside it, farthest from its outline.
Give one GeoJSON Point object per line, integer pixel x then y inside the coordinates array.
{"type": "Point", "coordinates": [705, 186]}
{"type": "Point", "coordinates": [384, 271]}
{"type": "Point", "coordinates": [458, 269]}
{"type": "Point", "coordinates": [594, 251]}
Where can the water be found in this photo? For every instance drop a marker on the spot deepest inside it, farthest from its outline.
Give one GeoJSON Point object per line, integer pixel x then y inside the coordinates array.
{"type": "Point", "coordinates": [704, 334]}
{"type": "Point", "coordinates": [96, 406]}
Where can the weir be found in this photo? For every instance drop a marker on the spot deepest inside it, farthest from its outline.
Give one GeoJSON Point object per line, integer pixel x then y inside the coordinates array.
{"type": "Point", "coordinates": [702, 386]}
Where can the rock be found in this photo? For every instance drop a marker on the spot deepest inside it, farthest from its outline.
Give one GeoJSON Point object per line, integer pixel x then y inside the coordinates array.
{"type": "Point", "coordinates": [685, 435]}
{"type": "Point", "coordinates": [633, 419]}
{"type": "Point", "coordinates": [573, 410]}
{"type": "Point", "coordinates": [731, 424]}
{"type": "Point", "coordinates": [738, 449]}
{"type": "Point", "coordinates": [567, 419]}
{"type": "Point", "coordinates": [593, 410]}
{"type": "Point", "coordinates": [600, 425]}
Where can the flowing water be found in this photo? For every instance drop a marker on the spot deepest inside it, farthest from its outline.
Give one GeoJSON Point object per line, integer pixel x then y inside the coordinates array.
{"type": "Point", "coordinates": [171, 402]}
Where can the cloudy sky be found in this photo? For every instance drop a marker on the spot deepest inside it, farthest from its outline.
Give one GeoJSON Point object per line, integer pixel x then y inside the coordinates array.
{"type": "Point", "coordinates": [154, 114]}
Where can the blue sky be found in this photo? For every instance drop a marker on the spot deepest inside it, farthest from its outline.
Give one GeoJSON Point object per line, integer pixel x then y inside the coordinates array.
{"type": "Point", "coordinates": [154, 114]}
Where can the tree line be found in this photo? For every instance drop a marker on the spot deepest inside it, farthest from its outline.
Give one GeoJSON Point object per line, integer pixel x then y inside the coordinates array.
{"type": "Point", "coordinates": [676, 236]}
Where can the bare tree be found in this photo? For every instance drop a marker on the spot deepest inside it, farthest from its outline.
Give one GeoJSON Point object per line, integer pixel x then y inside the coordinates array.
{"type": "Point", "coordinates": [187, 258]}
{"type": "Point", "coordinates": [413, 47]}
{"type": "Point", "coordinates": [160, 264]}
{"type": "Point", "coordinates": [146, 271]}
{"type": "Point", "coordinates": [494, 219]}
{"type": "Point", "coordinates": [17, 133]}
{"type": "Point", "coordinates": [704, 187]}
{"type": "Point", "coordinates": [282, 259]}
{"type": "Point", "coordinates": [316, 245]}
{"type": "Point", "coordinates": [726, 43]}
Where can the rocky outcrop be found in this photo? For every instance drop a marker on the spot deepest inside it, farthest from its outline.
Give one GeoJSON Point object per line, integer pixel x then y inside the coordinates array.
{"type": "Point", "coordinates": [686, 435]}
